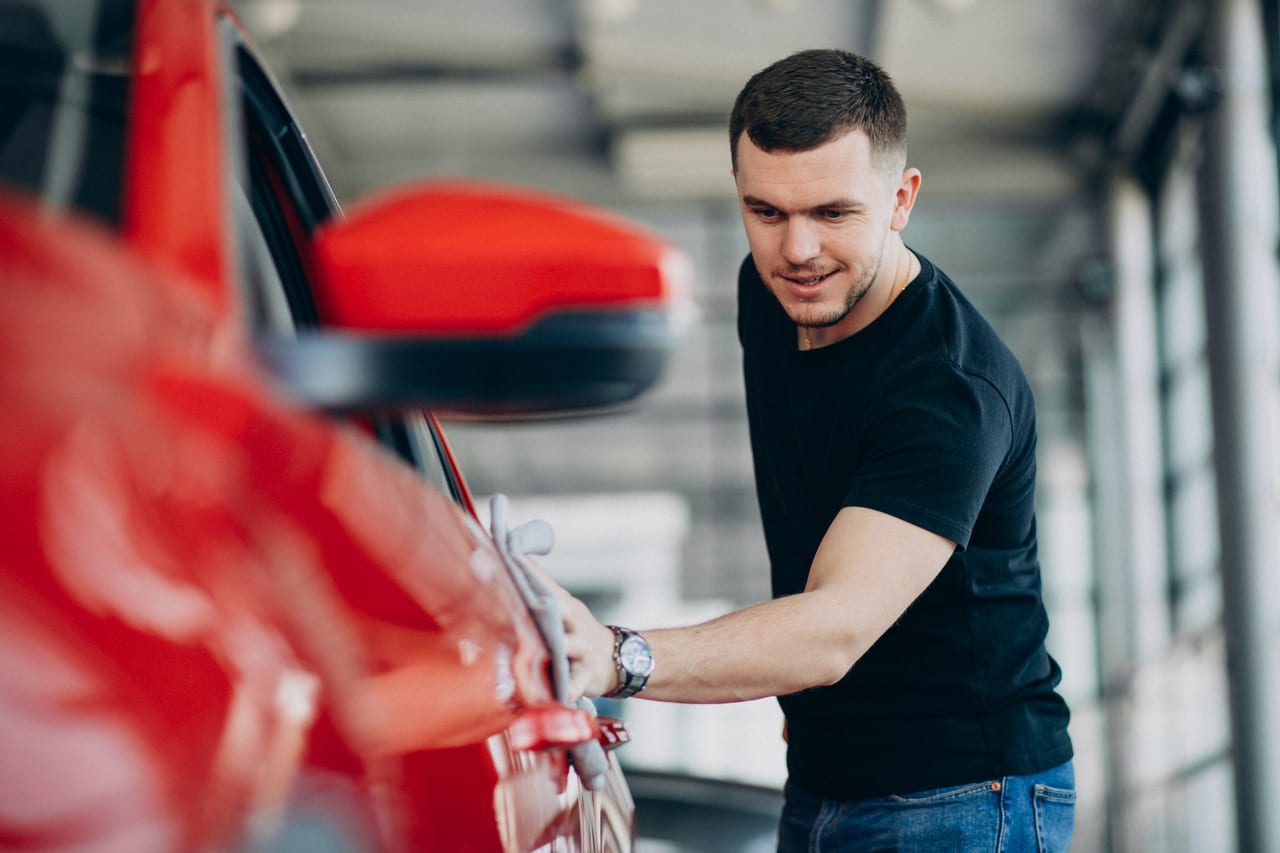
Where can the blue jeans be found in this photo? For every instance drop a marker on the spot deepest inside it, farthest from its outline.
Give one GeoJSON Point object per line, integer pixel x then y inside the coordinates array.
{"type": "Point", "coordinates": [1010, 814]}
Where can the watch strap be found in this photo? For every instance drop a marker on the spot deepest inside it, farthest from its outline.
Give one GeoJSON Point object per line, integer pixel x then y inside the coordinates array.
{"type": "Point", "coordinates": [629, 683]}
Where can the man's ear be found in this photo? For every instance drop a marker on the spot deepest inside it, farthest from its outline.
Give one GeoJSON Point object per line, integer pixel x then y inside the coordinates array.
{"type": "Point", "coordinates": [904, 198]}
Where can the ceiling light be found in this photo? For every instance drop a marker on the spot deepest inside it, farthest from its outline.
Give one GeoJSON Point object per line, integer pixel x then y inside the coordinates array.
{"type": "Point", "coordinates": [608, 12]}
{"type": "Point", "coordinates": [268, 19]}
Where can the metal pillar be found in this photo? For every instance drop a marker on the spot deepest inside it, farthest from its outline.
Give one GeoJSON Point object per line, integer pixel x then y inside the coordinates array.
{"type": "Point", "coordinates": [1238, 211]}
{"type": "Point", "coordinates": [1133, 322]}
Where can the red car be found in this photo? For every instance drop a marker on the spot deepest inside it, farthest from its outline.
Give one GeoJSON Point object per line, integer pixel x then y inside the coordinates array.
{"type": "Point", "coordinates": [245, 600]}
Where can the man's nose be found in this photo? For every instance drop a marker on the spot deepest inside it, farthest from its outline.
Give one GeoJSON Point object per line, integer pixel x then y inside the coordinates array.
{"type": "Point", "coordinates": [800, 243]}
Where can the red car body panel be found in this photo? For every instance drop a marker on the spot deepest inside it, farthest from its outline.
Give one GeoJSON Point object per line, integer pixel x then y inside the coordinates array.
{"type": "Point", "coordinates": [175, 206]}
{"type": "Point", "coordinates": [125, 575]}
{"type": "Point", "coordinates": [221, 614]}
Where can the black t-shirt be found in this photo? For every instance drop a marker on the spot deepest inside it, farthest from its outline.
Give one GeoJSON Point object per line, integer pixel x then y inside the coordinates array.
{"type": "Point", "coordinates": [925, 415]}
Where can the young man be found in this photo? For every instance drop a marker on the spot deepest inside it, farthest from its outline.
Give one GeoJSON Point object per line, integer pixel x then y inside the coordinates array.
{"type": "Point", "coordinates": [893, 435]}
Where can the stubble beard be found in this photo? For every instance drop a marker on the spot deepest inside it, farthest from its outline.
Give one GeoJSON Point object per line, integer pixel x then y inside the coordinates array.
{"type": "Point", "coordinates": [856, 292]}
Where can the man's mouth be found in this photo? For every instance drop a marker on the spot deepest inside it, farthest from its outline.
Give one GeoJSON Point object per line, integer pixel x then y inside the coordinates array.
{"type": "Point", "coordinates": [809, 280]}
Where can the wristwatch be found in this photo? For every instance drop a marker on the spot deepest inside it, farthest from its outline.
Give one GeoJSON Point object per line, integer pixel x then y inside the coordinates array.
{"type": "Point", "coordinates": [634, 661]}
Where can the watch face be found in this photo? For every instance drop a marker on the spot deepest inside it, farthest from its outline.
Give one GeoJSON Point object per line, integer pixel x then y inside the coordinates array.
{"type": "Point", "coordinates": [635, 656]}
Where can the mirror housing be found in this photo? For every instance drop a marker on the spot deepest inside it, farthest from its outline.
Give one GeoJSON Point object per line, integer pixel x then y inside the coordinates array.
{"type": "Point", "coordinates": [482, 301]}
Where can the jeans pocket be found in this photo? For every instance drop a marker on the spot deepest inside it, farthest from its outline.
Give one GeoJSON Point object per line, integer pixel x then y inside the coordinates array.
{"type": "Point", "coordinates": [1055, 810]}
{"type": "Point", "coordinates": [942, 795]}
{"type": "Point", "coordinates": [958, 817]}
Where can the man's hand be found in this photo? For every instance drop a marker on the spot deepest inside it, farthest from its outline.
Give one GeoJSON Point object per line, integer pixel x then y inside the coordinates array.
{"type": "Point", "coordinates": [590, 648]}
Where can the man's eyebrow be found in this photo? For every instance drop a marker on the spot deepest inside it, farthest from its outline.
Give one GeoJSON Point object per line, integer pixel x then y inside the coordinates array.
{"type": "Point", "coordinates": [833, 204]}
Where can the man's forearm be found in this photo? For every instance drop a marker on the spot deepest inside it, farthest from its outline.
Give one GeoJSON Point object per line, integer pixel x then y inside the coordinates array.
{"type": "Point", "coordinates": [771, 649]}
{"type": "Point", "coordinates": [868, 570]}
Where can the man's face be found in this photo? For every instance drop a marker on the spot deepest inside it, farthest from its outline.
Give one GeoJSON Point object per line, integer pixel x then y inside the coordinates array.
{"type": "Point", "coordinates": [818, 223]}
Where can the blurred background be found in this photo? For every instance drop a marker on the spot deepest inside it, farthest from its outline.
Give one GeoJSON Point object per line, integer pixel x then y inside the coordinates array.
{"type": "Point", "coordinates": [1099, 177]}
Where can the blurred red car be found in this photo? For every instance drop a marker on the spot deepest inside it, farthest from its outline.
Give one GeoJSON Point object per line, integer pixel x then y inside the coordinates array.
{"type": "Point", "coordinates": [245, 600]}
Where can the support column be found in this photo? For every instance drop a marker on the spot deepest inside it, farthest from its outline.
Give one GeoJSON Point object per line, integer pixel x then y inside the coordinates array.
{"type": "Point", "coordinates": [1238, 206]}
{"type": "Point", "coordinates": [1133, 320]}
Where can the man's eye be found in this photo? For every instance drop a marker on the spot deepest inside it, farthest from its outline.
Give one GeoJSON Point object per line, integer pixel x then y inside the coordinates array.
{"type": "Point", "coordinates": [766, 213]}
{"type": "Point", "coordinates": [835, 215]}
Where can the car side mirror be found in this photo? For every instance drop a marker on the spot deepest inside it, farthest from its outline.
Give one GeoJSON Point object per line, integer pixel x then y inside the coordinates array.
{"type": "Point", "coordinates": [478, 300]}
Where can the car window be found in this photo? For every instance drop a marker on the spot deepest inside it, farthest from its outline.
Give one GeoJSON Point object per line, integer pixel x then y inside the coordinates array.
{"type": "Point", "coordinates": [264, 286]}
{"type": "Point", "coordinates": [286, 191]}
{"type": "Point", "coordinates": [274, 235]}
{"type": "Point", "coordinates": [278, 289]}
{"type": "Point", "coordinates": [64, 85]}
{"type": "Point", "coordinates": [278, 138]}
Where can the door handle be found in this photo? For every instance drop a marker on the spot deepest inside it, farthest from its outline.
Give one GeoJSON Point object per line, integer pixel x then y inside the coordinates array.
{"type": "Point", "coordinates": [613, 733]}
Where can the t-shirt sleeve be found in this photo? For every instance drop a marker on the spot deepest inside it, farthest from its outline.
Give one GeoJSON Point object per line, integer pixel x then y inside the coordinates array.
{"type": "Point", "coordinates": [933, 449]}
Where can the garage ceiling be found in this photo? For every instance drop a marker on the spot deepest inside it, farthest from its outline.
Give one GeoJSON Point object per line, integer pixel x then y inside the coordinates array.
{"type": "Point", "coordinates": [617, 99]}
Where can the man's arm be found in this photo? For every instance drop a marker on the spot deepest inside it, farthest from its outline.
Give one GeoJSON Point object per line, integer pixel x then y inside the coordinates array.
{"type": "Point", "coordinates": [868, 569]}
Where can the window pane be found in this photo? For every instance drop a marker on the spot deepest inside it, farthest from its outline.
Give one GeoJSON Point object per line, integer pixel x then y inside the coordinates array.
{"type": "Point", "coordinates": [1189, 420]}
{"type": "Point", "coordinates": [64, 85]}
{"type": "Point", "coordinates": [1194, 534]}
{"type": "Point", "coordinates": [1191, 499]}
{"type": "Point", "coordinates": [1182, 330]}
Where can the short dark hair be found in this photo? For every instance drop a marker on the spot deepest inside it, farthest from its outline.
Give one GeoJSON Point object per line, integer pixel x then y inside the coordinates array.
{"type": "Point", "coordinates": [814, 96]}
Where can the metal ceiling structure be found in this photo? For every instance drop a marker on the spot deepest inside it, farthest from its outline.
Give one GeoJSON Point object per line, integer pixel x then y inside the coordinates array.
{"type": "Point", "coordinates": [618, 99]}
